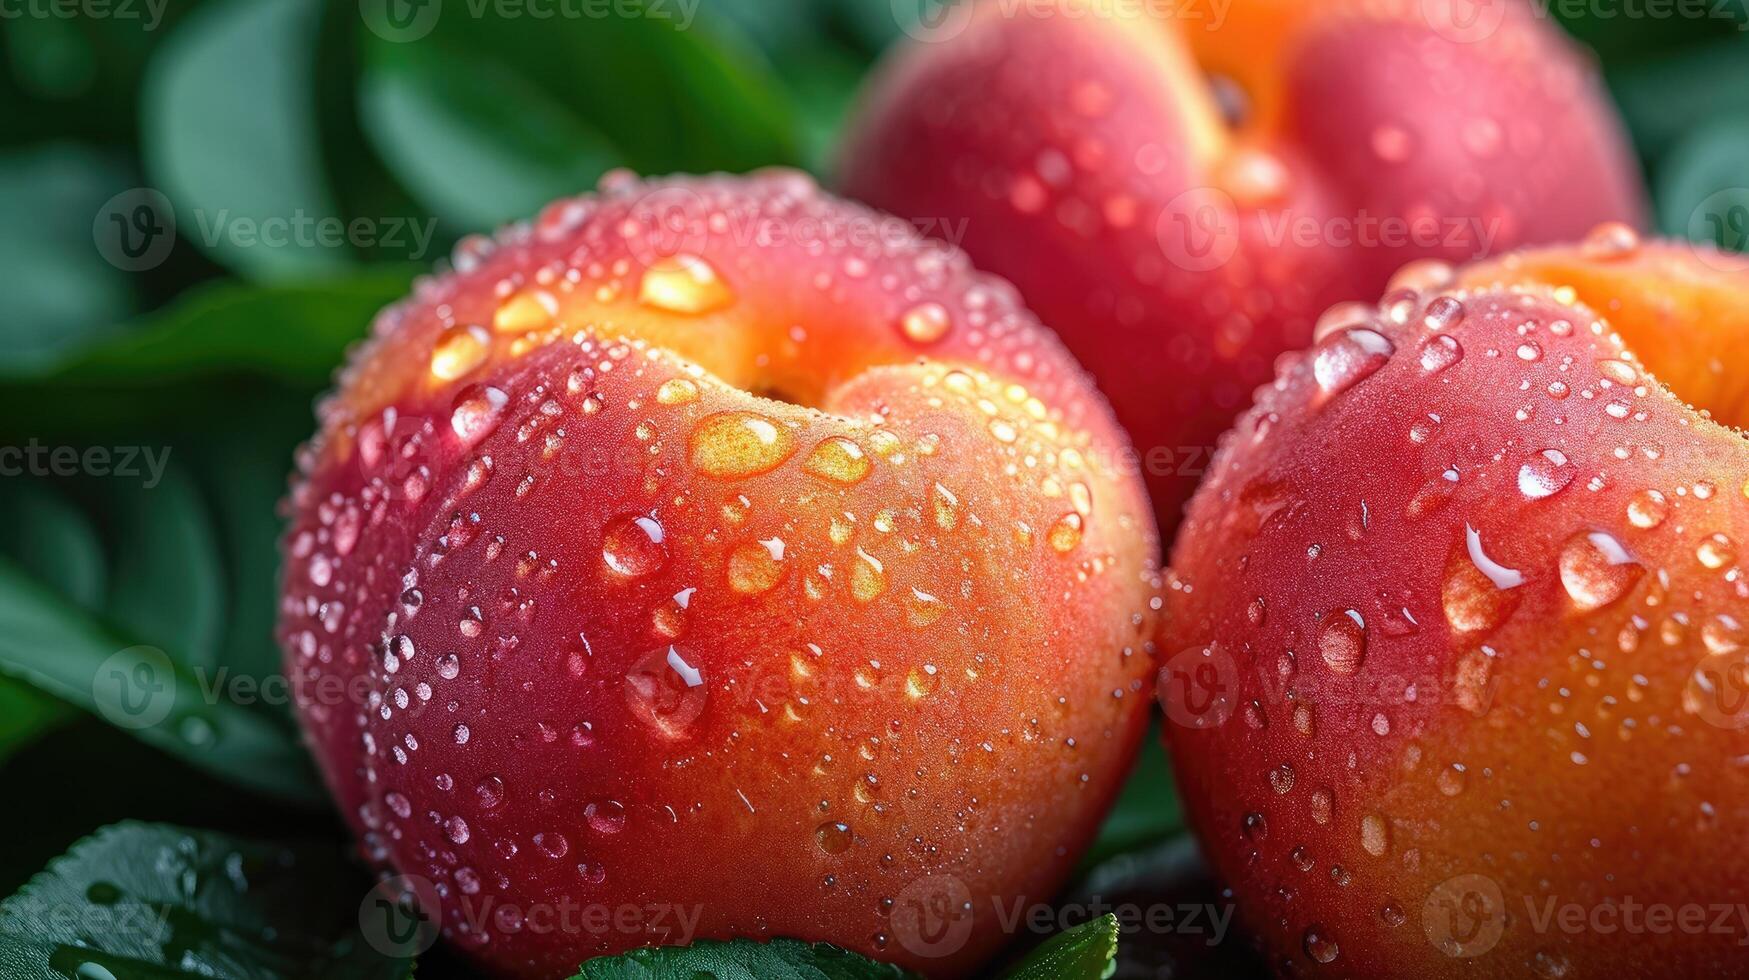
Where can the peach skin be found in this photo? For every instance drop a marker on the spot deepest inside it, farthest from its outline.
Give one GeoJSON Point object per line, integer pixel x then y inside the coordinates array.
{"type": "Point", "coordinates": [1457, 650]}
{"type": "Point", "coordinates": [1179, 197]}
{"type": "Point", "coordinates": [728, 558]}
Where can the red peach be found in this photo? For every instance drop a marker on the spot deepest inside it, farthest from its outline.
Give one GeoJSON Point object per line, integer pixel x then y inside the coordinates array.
{"type": "Point", "coordinates": [1181, 196]}
{"type": "Point", "coordinates": [712, 546]}
{"type": "Point", "coordinates": [1461, 614]}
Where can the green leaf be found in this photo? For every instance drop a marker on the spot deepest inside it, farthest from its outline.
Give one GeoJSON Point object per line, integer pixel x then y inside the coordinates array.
{"type": "Point", "coordinates": [471, 138]}
{"type": "Point", "coordinates": [1147, 810]}
{"type": "Point", "coordinates": [25, 714]}
{"type": "Point", "coordinates": [58, 648]}
{"type": "Point", "coordinates": [52, 540]}
{"type": "Point", "coordinates": [294, 332]}
{"type": "Point", "coordinates": [1666, 99]}
{"type": "Point", "coordinates": [669, 94]}
{"type": "Point", "coordinates": [167, 587]}
{"type": "Point", "coordinates": [230, 137]}
{"type": "Point", "coordinates": [152, 901]}
{"type": "Point", "coordinates": [1086, 952]}
{"type": "Point", "coordinates": [741, 959]}
{"type": "Point", "coordinates": [1703, 188]}
{"type": "Point", "coordinates": [59, 293]}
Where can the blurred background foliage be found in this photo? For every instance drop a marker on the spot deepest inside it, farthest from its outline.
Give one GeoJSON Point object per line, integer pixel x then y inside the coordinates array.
{"type": "Point", "coordinates": [250, 109]}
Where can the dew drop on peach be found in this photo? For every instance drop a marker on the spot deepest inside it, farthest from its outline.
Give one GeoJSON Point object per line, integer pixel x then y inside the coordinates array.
{"type": "Point", "coordinates": [733, 445]}
{"type": "Point", "coordinates": [838, 460]}
{"type": "Point", "coordinates": [459, 351]}
{"type": "Point", "coordinates": [1544, 474]}
{"type": "Point", "coordinates": [925, 323]}
{"type": "Point", "coordinates": [476, 412]}
{"type": "Point", "coordinates": [684, 284]}
{"type": "Point", "coordinates": [1348, 358]}
{"type": "Point", "coordinates": [1596, 569]}
{"type": "Point", "coordinates": [1342, 640]}
{"type": "Point", "coordinates": [632, 545]}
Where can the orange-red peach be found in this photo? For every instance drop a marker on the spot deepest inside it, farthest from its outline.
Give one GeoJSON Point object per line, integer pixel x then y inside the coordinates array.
{"type": "Point", "coordinates": [1180, 189]}
{"type": "Point", "coordinates": [1457, 648]}
{"type": "Point", "coordinates": [715, 550]}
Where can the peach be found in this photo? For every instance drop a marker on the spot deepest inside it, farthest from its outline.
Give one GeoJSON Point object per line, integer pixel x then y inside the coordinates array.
{"type": "Point", "coordinates": [1180, 196]}
{"type": "Point", "coordinates": [1457, 627]}
{"type": "Point", "coordinates": [721, 560]}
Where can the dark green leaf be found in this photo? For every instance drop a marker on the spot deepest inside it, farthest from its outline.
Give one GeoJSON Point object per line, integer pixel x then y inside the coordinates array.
{"type": "Point", "coordinates": [780, 959]}
{"type": "Point", "coordinates": [295, 332]}
{"type": "Point", "coordinates": [1703, 188]}
{"type": "Point", "coordinates": [230, 138]}
{"type": "Point", "coordinates": [1666, 99]}
{"type": "Point", "coordinates": [153, 901]}
{"type": "Point", "coordinates": [51, 539]}
{"type": "Point", "coordinates": [1086, 952]}
{"type": "Point", "coordinates": [167, 586]}
{"type": "Point", "coordinates": [1146, 811]}
{"type": "Point", "coordinates": [475, 141]}
{"type": "Point", "coordinates": [58, 648]}
{"type": "Point", "coordinates": [59, 291]}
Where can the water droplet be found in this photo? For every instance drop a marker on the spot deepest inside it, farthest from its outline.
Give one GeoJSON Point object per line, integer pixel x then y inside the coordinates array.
{"type": "Point", "coordinates": [1610, 241]}
{"type": "Point", "coordinates": [1716, 551]}
{"type": "Point", "coordinates": [1596, 570]}
{"type": "Point", "coordinates": [1281, 779]}
{"type": "Point", "coordinates": [526, 311]}
{"type": "Point", "coordinates": [684, 284]}
{"type": "Point", "coordinates": [1477, 593]}
{"type": "Point", "coordinates": [733, 445]}
{"type": "Point", "coordinates": [553, 845]}
{"type": "Point", "coordinates": [1544, 474]}
{"type": "Point", "coordinates": [1347, 358]}
{"type": "Point", "coordinates": [1443, 313]}
{"type": "Point", "coordinates": [1647, 509]}
{"type": "Point", "coordinates": [925, 323]}
{"type": "Point", "coordinates": [755, 567]}
{"type": "Point", "coordinates": [834, 837]}
{"type": "Point", "coordinates": [1440, 352]}
{"type": "Point", "coordinates": [1342, 640]}
{"type": "Point", "coordinates": [605, 816]}
{"type": "Point", "coordinates": [867, 577]}
{"type": "Point", "coordinates": [1375, 835]}
{"type": "Point", "coordinates": [476, 412]}
{"type": "Point", "coordinates": [457, 829]}
{"type": "Point", "coordinates": [1319, 945]}
{"type": "Point", "coordinates": [632, 545]}
{"type": "Point", "coordinates": [460, 349]}
{"type": "Point", "coordinates": [490, 792]}
{"type": "Point", "coordinates": [838, 459]}
{"type": "Point", "coordinates": [677, 391]}
{"type": "Point", "coordinates": [1065, 534]}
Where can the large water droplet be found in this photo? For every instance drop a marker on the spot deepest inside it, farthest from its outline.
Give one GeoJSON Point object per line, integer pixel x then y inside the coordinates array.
{"type": "Point", "coordinates": [1342, 640]}
{"type": "Point", "coordinates": [1596, 570]}
{"type": "Point", "coordinates": [476, 412]}
{"type": "Point", "coordinates": [1544, 474]}
{"type": "Point", "coordinates": [733, 445]}
{"type": "Point", "coordinates": [684, 284]}
{"type": "Point", "coordinates": [459, 350]}
{"type": "Point", "coordinates": [632, 545]}
{"type": "Point", "coordinates": [1347, 358]}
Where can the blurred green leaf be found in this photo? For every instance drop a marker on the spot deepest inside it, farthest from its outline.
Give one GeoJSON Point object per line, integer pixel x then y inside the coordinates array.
{"type": "Point", "coordinates": [153, 901]}
{"type": "Point", "coordinates": [159, 698]}
{"type": "Point", "coordinates": [1086, 952]}
{"type": "Point", "coordinates": [59, 293]}
{"type": "Point", "coordinates": [166, 587]}
{"type": "Point", "coordinates": [53, 540]}
{"type": "Point", "coordinates": [1147, 810]}
{"type": "Point", "coordinates": [476, 142]}
{"type": "Point", "coordinates": [670, 99]}
{"type": "Point", "coordinates": [1703, 186]}
{"type": "Point", "coordinates": [24, 715]}
{"type": "Point", "coordinates": [741, 959]}
{"type": "Point", "coordinates": [297, 332]}
{"type": "Point", "coordinates": [230, 138]}
{"type": "Point", "coordinates": [1666, 99]}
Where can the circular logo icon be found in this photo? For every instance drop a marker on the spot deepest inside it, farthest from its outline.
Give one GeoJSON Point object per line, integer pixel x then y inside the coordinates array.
{"type": "Point", "coordinates": [1718, 690]}
{"type": "Point", "coordinates": [666, 692]}
{"type": "Point", "coordinates": [1722, 219]}
{"type": "Point", "coordinates": [932, 916]}
{"type": "Point", "coordinates": [672, 220]}
{"type": "Point", "coordinates": [135, 230]}
{"type": "Point", "coordinates": [135, 688]}
{"type": "Point", "coordinates": [1198, 687]}
{"type": "Point", "coordinates": [1199, 229]}
{"type": "Point", "coordinates": [932, 21]}
{"type": "Point", "coordinates": [1464, 916]}
{"type": "Point", "coordinates": [399, 916]}
{"type": "Point", "coordinates": [400, 21]}
{"type": "Point", "coordinates": [1464, 21]}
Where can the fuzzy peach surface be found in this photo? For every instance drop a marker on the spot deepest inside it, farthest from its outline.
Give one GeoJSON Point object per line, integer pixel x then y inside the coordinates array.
{"type": "Point", "coordinates": [1456, 643]}
{"type": "Point", "coordinates": [714, 545]}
